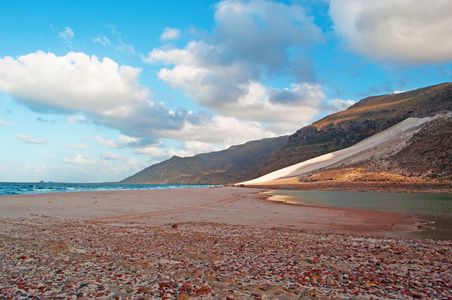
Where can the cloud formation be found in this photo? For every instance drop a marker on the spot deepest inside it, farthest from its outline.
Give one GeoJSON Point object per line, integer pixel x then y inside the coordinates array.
{"type": "Point", "coordinates": [74, 82]}
{"type": "Point", "coordinates": [252, 42]}
{"type": "Point", "coordinates": [112, 156]}
{"type": "Point", "coordinates": [413, 31]}
{"type": "Point", "coordinates": [26, 139]}
{"type": "Point", "coordinates": [220, 130]}
{"type": "Point", "coordinates": [229, 72]}
{"type": "Point", "coordinates": [170, 34]}
{"type": "Point", "coordinates": [104, 93]}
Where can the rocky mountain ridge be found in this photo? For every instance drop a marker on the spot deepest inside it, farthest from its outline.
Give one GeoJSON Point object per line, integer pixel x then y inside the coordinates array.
{"type": "Point", "coordinates": [413, 155]}
{"type": "Point", "coordinates": [334, 132]}
{"type": "Point", "coordinates": [361, 120]}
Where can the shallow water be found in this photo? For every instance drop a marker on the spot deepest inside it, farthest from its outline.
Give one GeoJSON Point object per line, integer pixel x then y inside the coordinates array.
{"type": "Point", "coordinates": [17, 188]}
{"type": "Point", "coordinates": [432, 207]}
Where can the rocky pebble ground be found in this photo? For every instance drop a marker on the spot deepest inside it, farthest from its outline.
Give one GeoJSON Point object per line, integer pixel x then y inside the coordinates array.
{"type": "Point", "coordinates": [47, 258]}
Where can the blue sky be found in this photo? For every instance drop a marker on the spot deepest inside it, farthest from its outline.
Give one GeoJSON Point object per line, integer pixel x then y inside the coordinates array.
{"type": "Point", "coordinates": [95, 91]}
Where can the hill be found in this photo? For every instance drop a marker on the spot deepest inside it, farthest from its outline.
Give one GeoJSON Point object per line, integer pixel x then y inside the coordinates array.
{"type": "Point", "coordinates": [409, 155]}
{"type": "Point", "coordinates": [227, 166]}
{"type": "Point", "coordinates": [361, 120]}
{"type": "Point", "coordinates": [335, 132]}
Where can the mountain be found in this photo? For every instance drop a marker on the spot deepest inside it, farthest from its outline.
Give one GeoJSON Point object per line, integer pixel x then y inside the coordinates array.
{"type": "Point", "coordinates": [361, 120]}
{"type": "Point", "coordinates": [227, 166]}
{"type": "Point", "coordinates": [337, 131]}
{"type": "Point", "coordinates": [406, 153]}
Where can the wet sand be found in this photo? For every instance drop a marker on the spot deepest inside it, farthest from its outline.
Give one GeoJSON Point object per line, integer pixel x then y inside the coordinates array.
{"type": "Point", "coordinates": [228, 205]}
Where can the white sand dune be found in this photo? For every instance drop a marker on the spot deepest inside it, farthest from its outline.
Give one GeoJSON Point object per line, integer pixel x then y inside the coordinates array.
{"type": "Point", "coordinates": [381, 144]}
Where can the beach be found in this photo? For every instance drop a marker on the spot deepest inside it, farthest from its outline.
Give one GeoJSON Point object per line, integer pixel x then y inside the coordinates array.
{"type": "Point", "coordinates": [211, 243]}
{"type": "Point", "coordinates": [229, 205]}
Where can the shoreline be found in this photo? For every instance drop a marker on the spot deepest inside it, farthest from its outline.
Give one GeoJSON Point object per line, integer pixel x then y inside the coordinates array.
{"type": "Point", "coordinates": [433, 188]}
{"type": "Point", "coordinates": [228, 205]}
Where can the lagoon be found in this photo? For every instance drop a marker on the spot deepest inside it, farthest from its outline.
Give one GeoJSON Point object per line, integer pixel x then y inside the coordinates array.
{"type": "Point", "coordinates": [435, 208]}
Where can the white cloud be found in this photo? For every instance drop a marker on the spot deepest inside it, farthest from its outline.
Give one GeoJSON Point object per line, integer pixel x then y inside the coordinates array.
{"type": "Point", "coordinates": [112, 156]}
{"type": "Point", "coordinates": [151, 151]}
{"type": "Point", "coordinates": [192, 148]}
{"type": "Point", "coordinates": [109, 95]}
{"type": "Point", "coordinates": [230, 90]}
{"type": "Point", "coordinates": [170, 34]}
{"type": "Point", "coordinates": [103, 40]}
{"type": "Point", "coordinates": [4, 123]}
{"type": "Point", "coordinates": [128, 139]}
{"type": "Point", "coordinates": [67, 34]}
{"type": "Point", "coordinates": [264, 32]}
{"type": "Point", "coordinates": [252, 41]}
{"type": "Point", "coordinates": [102, 91]}
{"type": "Point", "coordinates": [123, 141]}
{"type": "Point", "coordinates": [76, 119]}
{"type": "Point", "coordinates": [416, 31]}
{"type": "Point", "coordinates": [106, 142]}
{"type": "Point", "coordinates": [221, 130]}
{"type": "Point", "coordinates": [223, 73]}
{"type": "Point", "coordinates": [26, 139]}
{"type": "Point", "coordinates": [74, 82]}
{"type": "Point", "coordinates": [80, 159]}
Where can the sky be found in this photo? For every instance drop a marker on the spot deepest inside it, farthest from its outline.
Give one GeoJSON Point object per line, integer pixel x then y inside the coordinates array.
{"type": "Point", "coordinates": [95, 91]}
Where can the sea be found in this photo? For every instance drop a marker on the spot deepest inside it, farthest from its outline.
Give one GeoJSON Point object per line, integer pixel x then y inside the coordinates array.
{"type": "Point", "coordinates": [18, 188]}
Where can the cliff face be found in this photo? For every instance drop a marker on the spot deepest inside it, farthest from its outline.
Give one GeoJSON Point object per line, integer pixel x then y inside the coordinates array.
{"type": "Point", "coordinates": [334, 132]}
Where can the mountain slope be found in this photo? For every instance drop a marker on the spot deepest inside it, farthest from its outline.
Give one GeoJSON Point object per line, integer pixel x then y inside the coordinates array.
{"type": "Point", "coordinates": [363, 119]}
{"type": "Point", "coordinates": [397, 141]}
{"type": "Point", "coordinates": [334, 132]}
{"type": "Point", "coordinates": [227, 166]}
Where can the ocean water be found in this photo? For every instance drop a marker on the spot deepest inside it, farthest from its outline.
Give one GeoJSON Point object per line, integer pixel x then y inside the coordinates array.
{"type": "Point", "coordinates": [17, 188]}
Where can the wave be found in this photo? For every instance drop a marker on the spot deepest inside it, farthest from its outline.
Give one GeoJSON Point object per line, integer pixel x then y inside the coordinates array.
{"type": "Point", "coordinates": [18, 188]}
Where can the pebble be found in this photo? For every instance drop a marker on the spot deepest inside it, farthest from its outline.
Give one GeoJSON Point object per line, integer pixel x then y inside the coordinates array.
{"type": "Point", "coordinates": [46, 258]}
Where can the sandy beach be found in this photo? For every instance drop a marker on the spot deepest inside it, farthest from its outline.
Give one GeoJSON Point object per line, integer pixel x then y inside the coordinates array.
{"type": "Point", "coordinates": [228, 205]}
{"type": "Point", "coordinates": [213, 243]}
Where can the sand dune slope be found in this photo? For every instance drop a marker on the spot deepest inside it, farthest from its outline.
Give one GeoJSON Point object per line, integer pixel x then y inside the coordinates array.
{"type": "Point", "coordinates": [381, 144]}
